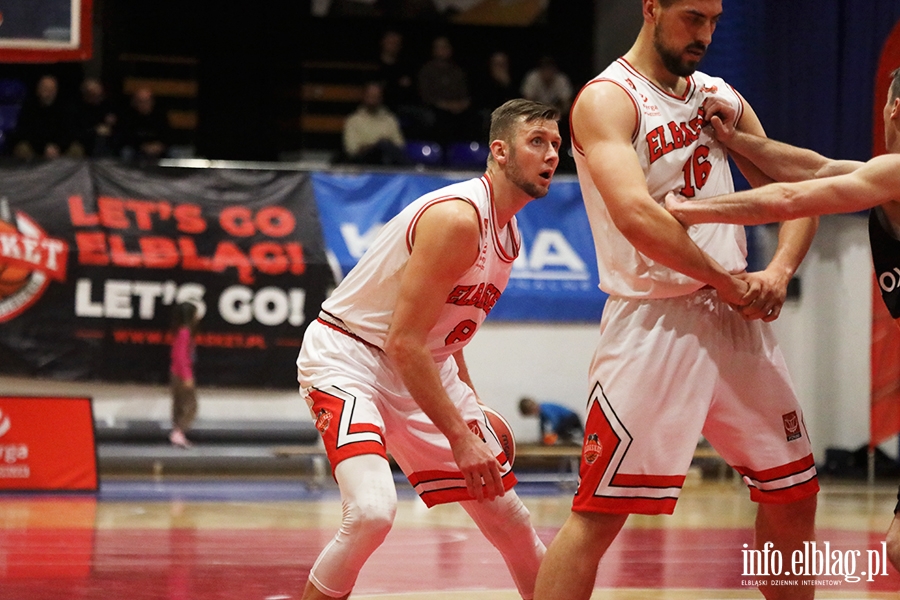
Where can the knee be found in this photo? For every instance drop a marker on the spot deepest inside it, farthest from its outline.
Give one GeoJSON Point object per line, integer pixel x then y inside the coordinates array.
{"type": "Point", "coordinates": [369, 520]}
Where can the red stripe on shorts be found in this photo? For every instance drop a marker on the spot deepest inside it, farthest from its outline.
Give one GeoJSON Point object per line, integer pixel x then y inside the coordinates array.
{"type": "Point", "coordinates": [648, 481]}
{"type": "Point", "coordinates": [458, 494]}
{"type": "Point", "coordinates": [775, 473]}
{"type": "Point", "coordinates": [624, 506]}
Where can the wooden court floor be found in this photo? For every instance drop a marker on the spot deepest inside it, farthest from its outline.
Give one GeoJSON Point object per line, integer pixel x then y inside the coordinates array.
{"type": "Point", "coordinates": [255, 539]}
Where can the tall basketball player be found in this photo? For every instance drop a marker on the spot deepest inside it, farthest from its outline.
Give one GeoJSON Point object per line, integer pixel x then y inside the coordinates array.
{"type": "Point", "coordinates": [684, 345]}
{"type": "Point", "coordinates": [382, 367]}
{"type": "Point", "coordinates": [816, 186]}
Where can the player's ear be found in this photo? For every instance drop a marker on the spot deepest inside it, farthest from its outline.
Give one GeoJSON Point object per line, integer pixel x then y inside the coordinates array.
{"type": "Point", "coordinates": [895, 108]}
{"type": "Point", "coordinates": [500, 152]}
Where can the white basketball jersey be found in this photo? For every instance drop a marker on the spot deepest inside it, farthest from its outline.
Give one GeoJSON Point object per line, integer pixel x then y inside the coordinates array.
{"type": "Point", "coordinates": [677, 155]}
{"type": "Point", "coordinates": [365, 300]}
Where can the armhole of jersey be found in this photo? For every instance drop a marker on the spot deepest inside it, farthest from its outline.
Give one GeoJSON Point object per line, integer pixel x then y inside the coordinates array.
{"type": "Point", "coordinates": [411, 228]}
{"type": "Point", "coordinates": [638, 117]}
{"type": "Point", "coordinates": [740, 105]}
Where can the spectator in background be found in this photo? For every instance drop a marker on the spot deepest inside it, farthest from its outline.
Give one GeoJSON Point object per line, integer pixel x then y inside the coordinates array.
{"type": "Point", "coordinates": [395, 72]}
{"type": "Point", "coordinates": [495, 88]}
{"type": "Point", "coordinates": [546, 83]}
{"type": "Point", "coordinates": [144, 131]}
{"type": "Point", "coordinates": [444, 89]}
{"type": "Point", "coordinates": [558, 424]}
{"type": "Point", "coordinates": [95, 119]}
{"type": "Point", "coordinates": [181, 371]}
{"type": "Point", "coordinates": [372, 134]}
{"type": "Point", "coordinates": [45, 127]}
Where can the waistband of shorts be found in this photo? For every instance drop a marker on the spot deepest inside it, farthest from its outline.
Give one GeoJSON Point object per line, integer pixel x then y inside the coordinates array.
{"type": "Point", "coordinates": [329, 320]}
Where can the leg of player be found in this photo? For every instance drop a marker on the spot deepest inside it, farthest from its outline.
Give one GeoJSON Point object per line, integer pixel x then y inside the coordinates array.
{"type": "Point", "coordinates": [369, 502]}
{"type": "Point", "coordinates": [787, 526]}
{"type": "Point", "coordinates": [506, 523]}
{"type": "Point", "coordinates": [587, 536]}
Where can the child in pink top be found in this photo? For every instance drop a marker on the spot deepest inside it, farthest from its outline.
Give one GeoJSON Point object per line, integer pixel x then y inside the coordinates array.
{"type": "Point", "coordinates": [184, 393]}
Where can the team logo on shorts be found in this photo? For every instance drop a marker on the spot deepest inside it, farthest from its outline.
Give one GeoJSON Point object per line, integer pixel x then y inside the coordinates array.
{"type": "Point", "coordinates": [323, 420]}
{"type": "Point", "coordinates": [473, 425]}
{"type": "Point", "coordinates": [791, 426]}
{"type": "Point", "coordinates": [593, 449]}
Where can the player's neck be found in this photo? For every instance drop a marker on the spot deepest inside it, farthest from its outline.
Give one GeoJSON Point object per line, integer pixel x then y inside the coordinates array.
{"type": "Point", "coordinates": [508, 197]}
{"type": "Point", "coordinates": [645, 58]}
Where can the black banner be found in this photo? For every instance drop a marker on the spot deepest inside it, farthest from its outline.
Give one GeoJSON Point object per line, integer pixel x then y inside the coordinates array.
{"type": "Point", "coordinates": [94, 255]}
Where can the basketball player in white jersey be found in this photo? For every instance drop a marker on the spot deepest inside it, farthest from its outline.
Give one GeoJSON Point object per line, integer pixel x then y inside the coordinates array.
{"type": "Point", "coordinates": [816, 185]}
{"type": "Point", "coordinates": [382, 368]}
{"type": "Point", "coordinates": [684, 348]}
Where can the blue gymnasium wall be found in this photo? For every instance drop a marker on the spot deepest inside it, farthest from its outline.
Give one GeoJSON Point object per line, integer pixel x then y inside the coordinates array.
{"type": "Point", "coordinates": [807, 67]}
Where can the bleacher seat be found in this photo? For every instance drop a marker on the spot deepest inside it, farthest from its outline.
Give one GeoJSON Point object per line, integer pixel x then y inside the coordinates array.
{"type": "Point", "coordinates": [467, 155]}
{"type": "Point", "coordinates": [425, 153]}
{"type": "Point", "coordinates": [12, 91]}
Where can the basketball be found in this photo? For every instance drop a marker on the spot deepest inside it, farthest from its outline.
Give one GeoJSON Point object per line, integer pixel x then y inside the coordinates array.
{"type": "Point", "coordinates": [504, 432]}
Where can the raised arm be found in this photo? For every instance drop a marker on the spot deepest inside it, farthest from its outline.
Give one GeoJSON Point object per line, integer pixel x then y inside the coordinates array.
{"type": "Point", "coordinates": [776, 160]}
{"type": "Point", "coordinates": [875, 182]}
{"type": "Point", "coordinates": [446, 244]}
{"type": "Point", "coordinates": [603, 119]}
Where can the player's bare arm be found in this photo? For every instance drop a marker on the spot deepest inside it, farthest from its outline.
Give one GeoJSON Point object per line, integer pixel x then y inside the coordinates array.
{"type": "Point", "coordinates": [446, 244]}
{"type": "Point", "coordinates": [876, 182]}
{"type": "Point", "coordinates": [777, 160]}
{"type": "Point", "coordinates": [604, 118]}
{"type": "Point", "coordinates": [768, 288]}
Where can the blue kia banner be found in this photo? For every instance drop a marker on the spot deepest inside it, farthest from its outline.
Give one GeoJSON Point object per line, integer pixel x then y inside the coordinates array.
{"type": "Point", "coordinates": [554, 279]}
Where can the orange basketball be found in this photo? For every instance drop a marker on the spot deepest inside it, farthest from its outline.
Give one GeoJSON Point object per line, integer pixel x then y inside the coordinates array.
{"type": "Point", "coordinates": [504, 432]}
{"type": "Point", "coordinates": [11, 278]}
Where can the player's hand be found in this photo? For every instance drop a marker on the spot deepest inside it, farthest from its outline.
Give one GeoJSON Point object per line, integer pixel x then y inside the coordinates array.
{"type": "Point", "coordinates": [675, 204]}
{"type": "Point", "coordinates": [720, 116]}
{"type": "Point", "coordinates": [735, 292]}
{"type": "Point", "coordinates": [479, 468]}
{"type": "Point", "coordinates": [768, 291]}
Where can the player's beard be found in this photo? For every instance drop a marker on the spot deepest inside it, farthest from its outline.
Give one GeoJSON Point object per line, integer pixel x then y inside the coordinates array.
{"type": "Point", "coordinates": [515, 175]}
{"type": "Point", "coordinates": [672, 59]}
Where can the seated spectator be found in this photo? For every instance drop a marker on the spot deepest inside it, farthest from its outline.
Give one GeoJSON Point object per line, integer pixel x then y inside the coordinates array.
{"type": "Point", "coordinates": [495, 88]}
{"type": "Point", "coordinates": [95, 119]}
{"type": "Point", "coordinates": [45, 127]}
{"type": "Point", "coordinates": [546, 83]}
{"type": "Point", "coordinates": [372, 134]}
{"type": "Point", "coordinates": [444, 89]}
{"type": "Point", "coordinates": [558, 424]}
{"type": "Point", "coordinates": [144, 129]}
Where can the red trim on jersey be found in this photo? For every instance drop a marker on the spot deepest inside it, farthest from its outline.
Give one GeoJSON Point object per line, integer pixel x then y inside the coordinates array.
{"type": "Point", "coordinates": [792, 468]}
{"type": "Point", "coordinates": [637, 110]}
{"type": "Point", "coordinates": [740, 99]}
{"type": "Point", "coordinates": [410, 230]}
{"type": "Point", "coordinates": [786, 495]}
{"type": "Point", "coordinates": [648, 481]}
{"type": "Point", "coordinates": [691, 86]}
{"type": "Point", "coordinates": [513, 232]}
{"type": "Point", "coordinates": [624, 506]}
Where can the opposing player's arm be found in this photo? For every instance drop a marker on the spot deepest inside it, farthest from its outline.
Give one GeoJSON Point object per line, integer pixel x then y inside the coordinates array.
{"type": "Point", "coordinates": [876, 182]}
{"type": "Point", "coordinates": [603, 120]}
{"type": "Point", "coordinates": [446, 245]}
{"type": "Point", "coordinates": [777, 161]}
{"type": "Point", "coordinates": [768, 288]}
